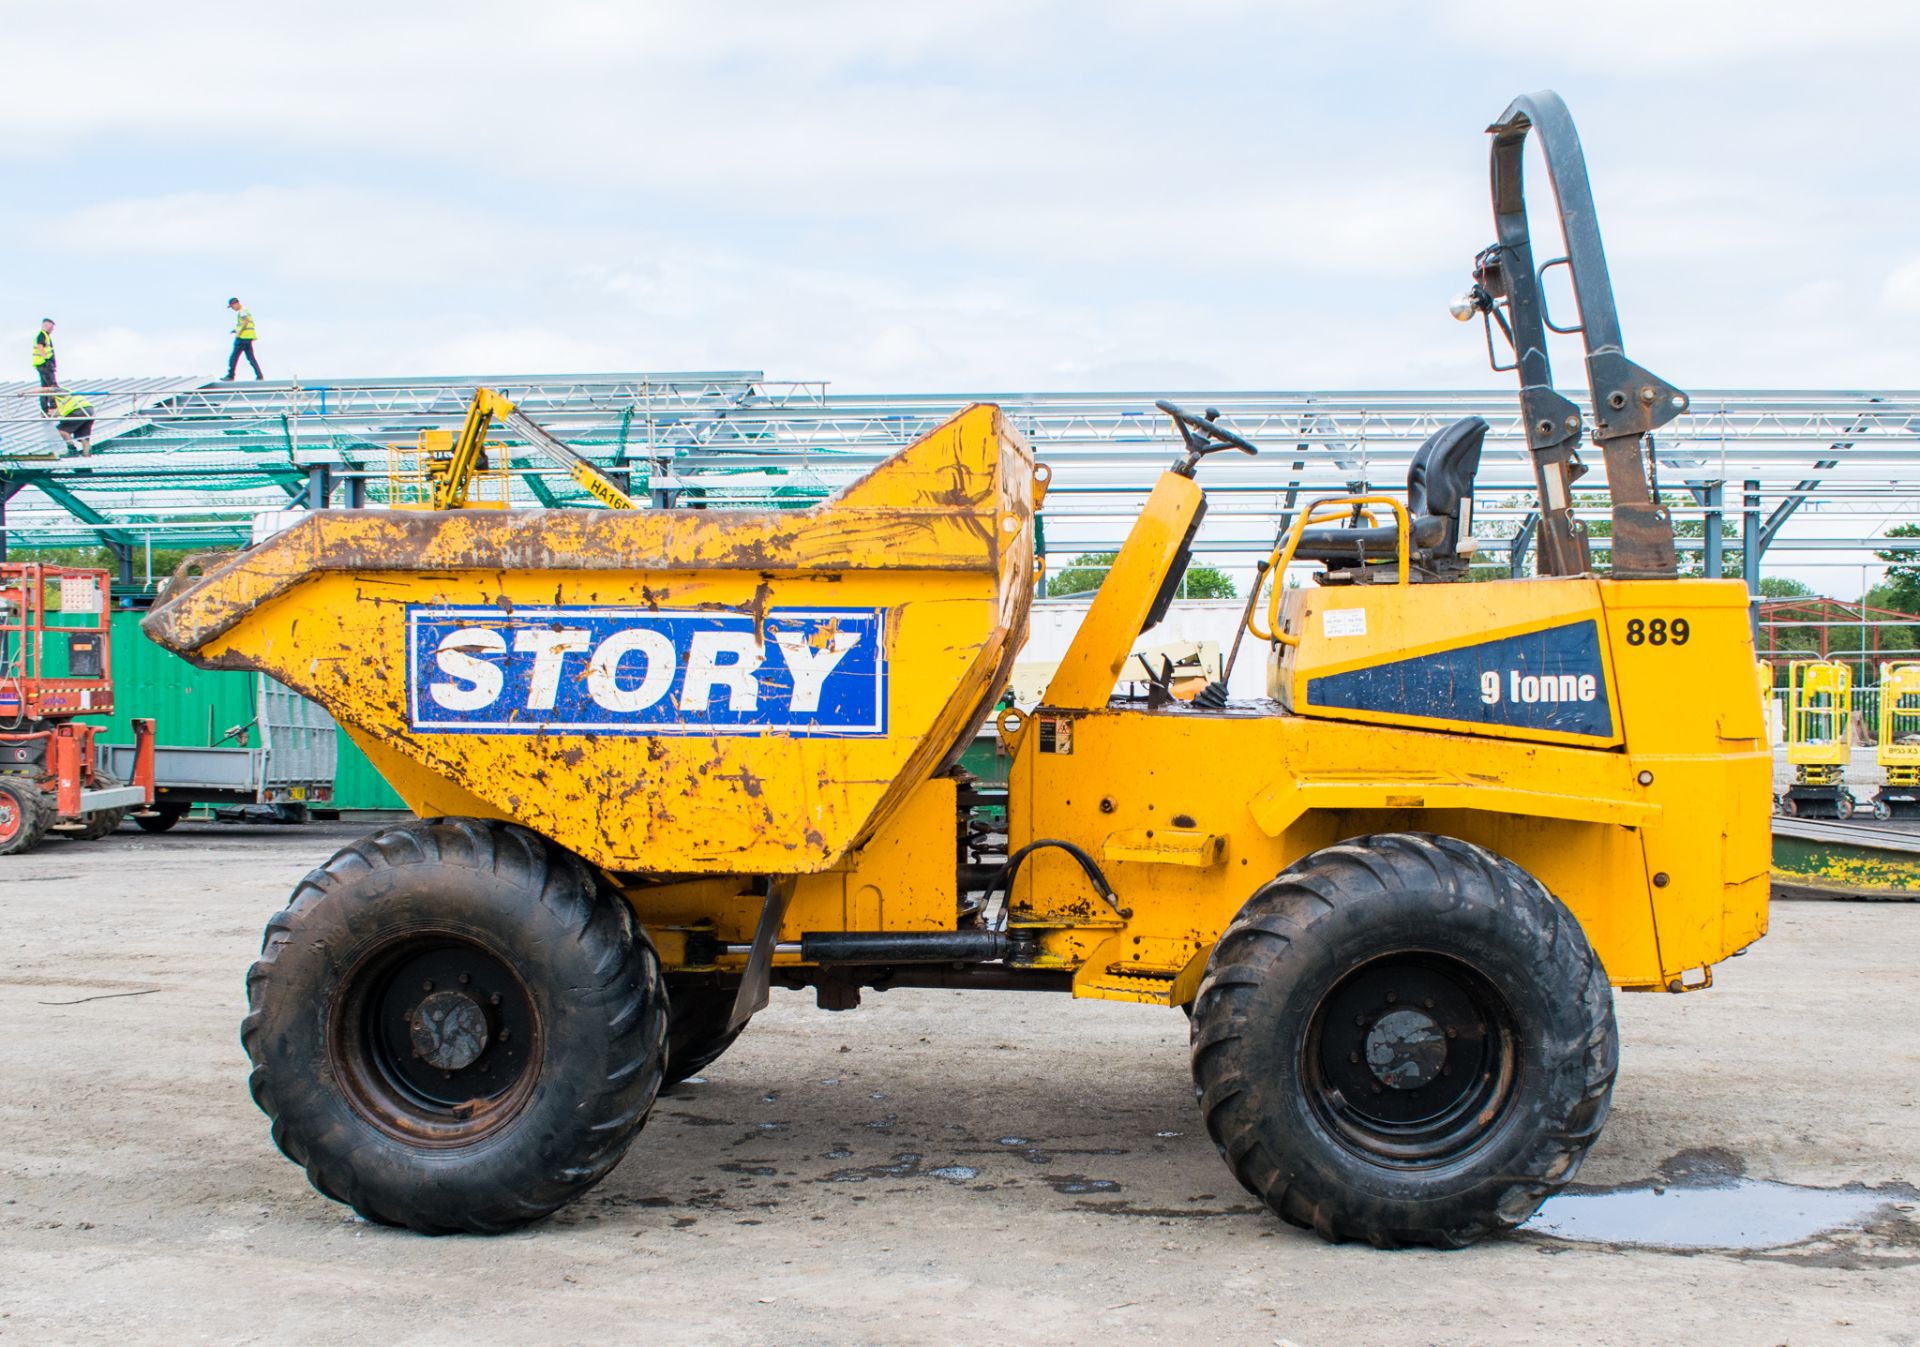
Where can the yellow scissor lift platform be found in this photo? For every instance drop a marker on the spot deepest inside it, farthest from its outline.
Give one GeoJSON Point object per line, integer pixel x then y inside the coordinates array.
{"type": "Point", "coordinates": [1819, 715]}
{"type": "Point", "coordinates": [1898, 748]}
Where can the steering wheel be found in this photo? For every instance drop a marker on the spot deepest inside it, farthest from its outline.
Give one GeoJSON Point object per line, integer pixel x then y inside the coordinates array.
{"type": "Point", "coordinates": [1201, 432]}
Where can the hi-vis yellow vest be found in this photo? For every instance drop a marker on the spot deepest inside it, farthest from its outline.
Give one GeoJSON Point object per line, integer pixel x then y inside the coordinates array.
{"type": "Point", "coordinates": [243, 327]}
{"type": "Point", "coordinates": [42, 349]}
{"type": "Point", "coordinates": [73, 405]}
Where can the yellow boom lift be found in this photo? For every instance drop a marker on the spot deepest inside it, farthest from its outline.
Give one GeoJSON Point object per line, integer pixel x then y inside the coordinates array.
{"type": "Point", "coordinates": [666, 760]}
{"type": "Point", "coordinates": [1819, 714]}
{"type": "Point", "coordinates": [1898, 749]}
{"type": "Point", "coordinates": [451, 470]}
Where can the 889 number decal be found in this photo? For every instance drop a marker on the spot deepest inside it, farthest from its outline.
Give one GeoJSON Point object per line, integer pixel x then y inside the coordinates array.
{"type": "Point", "coordinates": [1658, 631]}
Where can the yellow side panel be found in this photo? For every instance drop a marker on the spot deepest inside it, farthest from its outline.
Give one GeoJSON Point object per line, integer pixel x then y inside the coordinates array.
{"type": "Point", "coordinates": [902, 879]}
{"type": "Point", "coordinates": [1138, 774]}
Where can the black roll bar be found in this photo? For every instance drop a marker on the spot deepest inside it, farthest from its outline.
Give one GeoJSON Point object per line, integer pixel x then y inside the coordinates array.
{"type": "Point", "coordinates": [1629, 402]}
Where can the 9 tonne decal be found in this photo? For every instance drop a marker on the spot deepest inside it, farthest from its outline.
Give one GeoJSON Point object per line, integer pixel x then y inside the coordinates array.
{"type": "Point", "coordinates": [798, 672]}
{"type": "Point", "coordinates": [1554, 679]}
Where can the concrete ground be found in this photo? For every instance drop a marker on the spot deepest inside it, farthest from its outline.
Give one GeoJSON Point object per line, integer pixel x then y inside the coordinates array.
{"type": "Point", "coordinates": [937, 1167]}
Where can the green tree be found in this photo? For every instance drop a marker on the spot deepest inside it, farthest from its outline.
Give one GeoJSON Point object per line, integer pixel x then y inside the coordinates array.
{"type": "Point", "coordinates": [1782, 587]}
{"type": "Point", "coordinates": [165, 559]}
{"type": "Point", "coordinates": [1084, 573]}
{"type": "Point", "coordinates": [1901, 589]}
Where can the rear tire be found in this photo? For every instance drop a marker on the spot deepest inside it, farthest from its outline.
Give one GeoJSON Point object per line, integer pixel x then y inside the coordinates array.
{"type": "Point", "coordinates": [163, 817]}
{"type": "Point", "coordinates": [698, 1011]}
{"type": "Point", "coordinates": [102, 822]}
{"type": "Point", "coordinates": [453, 1028]}
{"type": "Point", "coordinates": [1404, 1039]}
{"type": "Point", "coordinates": [23, 815]}
{"type": "Point", "coordinates": [1843, 806]}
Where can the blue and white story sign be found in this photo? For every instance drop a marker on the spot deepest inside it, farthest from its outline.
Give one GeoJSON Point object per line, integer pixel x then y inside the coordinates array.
{"type": "Point", "coordinates": [804, 672]}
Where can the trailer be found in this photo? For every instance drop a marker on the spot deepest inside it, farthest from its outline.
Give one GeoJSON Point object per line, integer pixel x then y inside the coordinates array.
{"type": "Point", "coordinates": [276, 766]}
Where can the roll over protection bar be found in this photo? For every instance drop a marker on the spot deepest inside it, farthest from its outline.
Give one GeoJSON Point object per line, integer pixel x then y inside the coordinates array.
{"type": "Point", "coordinates": [1629, 402]}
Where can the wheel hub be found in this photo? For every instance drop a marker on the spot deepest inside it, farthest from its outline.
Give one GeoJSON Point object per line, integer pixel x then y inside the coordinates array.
{"type": "Point", "coordinates": [449, 1030]}
{"type": "Point", "coordinates": [1406, 1049]}
{"type": "Point", "coordinates": [1410, 1059]}
{"type": "Point", "coordinates": [436, 1038]}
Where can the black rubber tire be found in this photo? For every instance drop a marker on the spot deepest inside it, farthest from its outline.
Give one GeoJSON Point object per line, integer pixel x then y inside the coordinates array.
{"type": "Point", "coordinates": [1367, 902]}
{"type": "Point", "coordinates": [698, 1008]}
{"type": "Point", "coordinates": [1843, 806]}
{"type": "Point", "coordinates": [163, 817]}
{"type": "Point", "coordinates": [591, 985]}
{"type": "Point", "coordinates": [27, 813]}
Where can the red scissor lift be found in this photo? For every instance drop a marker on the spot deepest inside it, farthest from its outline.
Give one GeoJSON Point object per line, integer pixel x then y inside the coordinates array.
{"type": "Point", "coordinates": [49, 776]}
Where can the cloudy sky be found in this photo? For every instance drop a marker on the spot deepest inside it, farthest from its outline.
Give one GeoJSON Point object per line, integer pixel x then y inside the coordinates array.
{"type": "Point", "coordinates": [898, 196]}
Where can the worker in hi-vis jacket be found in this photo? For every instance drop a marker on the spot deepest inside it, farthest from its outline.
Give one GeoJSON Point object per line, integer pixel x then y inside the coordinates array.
{"type": "Point", "coordinates": [243, 335]}
{"type": "Point", "coordinates": [76, 423]}
{"type": "Point", "coordinates": [44, 364]}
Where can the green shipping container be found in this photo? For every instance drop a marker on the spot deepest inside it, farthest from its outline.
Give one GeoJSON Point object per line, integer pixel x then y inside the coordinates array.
{"type": "Point", "coordinates": [197, 708]}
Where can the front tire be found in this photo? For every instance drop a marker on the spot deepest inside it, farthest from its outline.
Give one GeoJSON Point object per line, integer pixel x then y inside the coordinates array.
{"type": "Point", "coordinates": [453, 1029]}
{"type": "Point", "coordinates": [23, 815]}
{"type": "Point", "coordinates": [1404, 1039]}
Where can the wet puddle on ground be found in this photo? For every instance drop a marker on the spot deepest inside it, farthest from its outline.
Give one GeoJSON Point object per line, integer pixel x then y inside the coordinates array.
{"type": "Point", "coordinates": [1738, 1214]}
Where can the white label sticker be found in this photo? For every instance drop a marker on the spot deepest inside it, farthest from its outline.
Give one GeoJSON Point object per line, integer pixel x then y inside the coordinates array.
{"type": "Point", "coordinates": [1344, 622]}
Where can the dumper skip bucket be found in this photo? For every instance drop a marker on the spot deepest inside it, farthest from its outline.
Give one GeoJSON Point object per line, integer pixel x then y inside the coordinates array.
{"type": "Point", "coordinates": [665, 691]}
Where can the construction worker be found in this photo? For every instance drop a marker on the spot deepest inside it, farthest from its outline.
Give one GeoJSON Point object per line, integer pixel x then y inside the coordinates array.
{"type": "Point", "coordinates": [76, 423]}
{"type": "Point", "coordinates": [44, 364]}
{"type": "Point", "coordinates": [243, 335]}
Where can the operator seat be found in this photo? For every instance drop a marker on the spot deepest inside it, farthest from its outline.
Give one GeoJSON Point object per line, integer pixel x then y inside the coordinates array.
{"type": "Point", "coordinates": [1439, 507]}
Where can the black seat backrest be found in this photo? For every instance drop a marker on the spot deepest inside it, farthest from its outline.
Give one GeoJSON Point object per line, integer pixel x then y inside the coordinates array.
{"type": "Point", "coordinates": [1441, 474]}
{"type": "Point", "coordinates": [1439, 488]}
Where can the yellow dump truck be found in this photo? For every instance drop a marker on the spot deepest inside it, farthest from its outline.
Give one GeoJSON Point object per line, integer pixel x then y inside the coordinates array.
{"type": "Point", "coordinates": [666, 760]}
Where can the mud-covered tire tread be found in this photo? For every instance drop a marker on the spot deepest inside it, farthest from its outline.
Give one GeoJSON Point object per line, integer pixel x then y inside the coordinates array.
{"type": "Point", "coordinates": [1283, 915]}
{"type": "Point", "coordinates": [614, 946]}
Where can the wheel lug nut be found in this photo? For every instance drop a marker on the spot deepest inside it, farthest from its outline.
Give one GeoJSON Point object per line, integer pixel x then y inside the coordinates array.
{"type": "Point", "coordinates": [1360, 1020]}
{"type": "Point", "coordinates": [1392, 997]}
{"type": "Point", "coordinates": [427, 986]}
{"type": "Point", "coordinates": [1428, 1003]}
{"type": "Point", "coordinates": [1453, 1033]}
{"type": "Point", "coordinates": [504, 1034]}
{"type": "Point", "coordinates": [494, 999]}
{"type": "Point", "coordinates": [465, 979]}
{"type": "Point", "coordinates": [1354, 1057]}
{"type": "Point", "coordinates": [1379, 1089]}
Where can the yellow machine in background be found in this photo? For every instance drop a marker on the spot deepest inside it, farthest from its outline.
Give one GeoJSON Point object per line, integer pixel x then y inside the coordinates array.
{"type": "Point", "coordinates": [666, 760]}
{"type": "Point", "coordinates": [1897, 749]}
{"type": "Point", "coordinates": [449, 470]}
{"type": "Point", "coordinates": [1819, 717]}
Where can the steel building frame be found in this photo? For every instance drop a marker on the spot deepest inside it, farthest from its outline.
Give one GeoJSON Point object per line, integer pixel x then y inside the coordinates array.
{"type": "Point", "coordinates": [191, 462]}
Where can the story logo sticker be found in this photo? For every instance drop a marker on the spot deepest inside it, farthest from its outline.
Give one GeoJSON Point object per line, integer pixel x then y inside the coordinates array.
{"type": "Point", "coordinates": [801, 672]}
